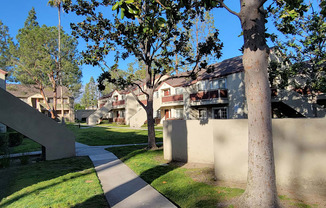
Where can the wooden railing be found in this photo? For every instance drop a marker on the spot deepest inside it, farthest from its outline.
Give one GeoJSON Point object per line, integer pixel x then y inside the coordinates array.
{"type": "Point", "coordinates": [204, 95]}
{"type": "Point", "coordinates": [117, 103]}
{"type": "Point", "coordinates": [172, 98]}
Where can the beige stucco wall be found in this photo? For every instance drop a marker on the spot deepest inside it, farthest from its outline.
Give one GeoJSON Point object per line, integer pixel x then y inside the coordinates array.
{"type": "Point", "coordinates": [131, 107]}
{"type": "Point", "coordinates": [58, 141]}
{"type": "Point", "coordinates": [299, 148]}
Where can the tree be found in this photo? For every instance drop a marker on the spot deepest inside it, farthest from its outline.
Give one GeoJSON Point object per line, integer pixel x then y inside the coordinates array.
{"type": "Point", "coordinates": [305, 48]}
{"type": "Point", "coordinates": [90, 95]}
{"type": "Point", "coordinates": [261, 182]}
{"type": "Point", "coordinates": [147, 30]}
{"type": "Point", "coordinates": [57, 4]}
{"type": "Point", "coordinates": [5, 40]}
{"type": "Point", "coordinates": [35, 57]}
{"type": "Point", "coordinates": [78, 106]}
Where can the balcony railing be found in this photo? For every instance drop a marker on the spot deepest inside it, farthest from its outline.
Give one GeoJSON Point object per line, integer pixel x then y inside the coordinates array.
{"type": "Point", "coordinates": [118, 103]}
{"type": "Point", "coordinates": [204, 95]}
{"type": "Point", "coordinates": [172, 98]}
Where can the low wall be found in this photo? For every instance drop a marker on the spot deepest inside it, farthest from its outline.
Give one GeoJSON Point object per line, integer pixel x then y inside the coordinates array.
{"type": "Point", "coordinates": [299, 148]}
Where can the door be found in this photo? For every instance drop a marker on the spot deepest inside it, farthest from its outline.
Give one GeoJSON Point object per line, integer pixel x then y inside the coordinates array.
{"type": "Point", "coordinates": [167, 114]}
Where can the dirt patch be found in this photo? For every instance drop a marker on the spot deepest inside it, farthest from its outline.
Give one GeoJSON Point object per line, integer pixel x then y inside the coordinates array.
{"type": "Point", "coordinates": [290, 198]}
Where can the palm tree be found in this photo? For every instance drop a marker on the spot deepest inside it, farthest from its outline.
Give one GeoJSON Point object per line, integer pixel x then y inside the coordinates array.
{"type": "Point", "coordinates": [58, 4]}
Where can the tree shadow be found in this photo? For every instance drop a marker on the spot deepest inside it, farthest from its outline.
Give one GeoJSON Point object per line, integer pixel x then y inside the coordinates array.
{"type": "Point", "coordinates": [94, 202]}
{"type": "Point", "coordinates": [42, 171]}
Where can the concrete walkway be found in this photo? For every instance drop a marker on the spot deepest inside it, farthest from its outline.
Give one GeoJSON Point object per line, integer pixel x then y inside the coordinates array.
{"type": "Point", "coordinates": [121, 186]}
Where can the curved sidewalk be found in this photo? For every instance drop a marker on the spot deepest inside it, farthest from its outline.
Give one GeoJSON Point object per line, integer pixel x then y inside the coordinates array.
{"type": "Point", "coordinates": [122, 187]}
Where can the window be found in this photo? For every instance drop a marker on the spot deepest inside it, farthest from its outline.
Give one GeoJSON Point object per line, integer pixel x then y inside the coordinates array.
{"type": "Point", "coordinates": [202, 113]}
{"type": "Point", "coordinates": [218, 84]}
{"type": "Point", "coordinates": [166, 92]}
{"type": "Point", "coordinates": [156, 94]}
{"type": "Point", "coordinates": [200, 86]}
{"type": "Point", "coordinates": [179, 91]}
{"type": "Point", "coordinates": [115, 98]}
{"type": "Point", "coordinates": [50, 100]}
{"type": "Point", "coordinates": [220, 113]}
{"type": "Point", "coordinates": [157, 114]}
{"type": "Point", "coordinates": [215, 84]}
{"type": "Point", "coordinates": [179, 113]}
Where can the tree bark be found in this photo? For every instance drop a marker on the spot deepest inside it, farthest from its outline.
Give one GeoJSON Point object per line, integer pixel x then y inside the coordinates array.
{"type": "Point", "coordinates": [150, 123]}
{"type": "Point", "coordinates": [261, 181]}
{"type": "Point", "coordinates": [46, 102]}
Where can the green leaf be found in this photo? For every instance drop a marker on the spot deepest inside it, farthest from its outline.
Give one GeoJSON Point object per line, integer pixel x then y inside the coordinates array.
{"type": "Point", "coordinates": [122, 13]}
{"type": "Point", "coordinates": [115, 6]}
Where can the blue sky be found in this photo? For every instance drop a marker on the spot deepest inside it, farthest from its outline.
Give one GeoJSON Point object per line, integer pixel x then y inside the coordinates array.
{"type": "Point", "coordinates": [14, 12]}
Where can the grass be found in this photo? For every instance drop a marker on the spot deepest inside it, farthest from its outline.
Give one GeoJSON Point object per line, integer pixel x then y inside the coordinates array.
{"type": "Point", "coordinates": [27, 145]}
{"type": "Point", "coordinates": [187, 187]}
{"type": "Point", "coordinates": [98, 136]}
{"type": "Point", "coordinates": [172, 180]}
{"type": "Point", "coordinates": [112, 124]}
{"type": "Point", "coordinates": [61, 183]}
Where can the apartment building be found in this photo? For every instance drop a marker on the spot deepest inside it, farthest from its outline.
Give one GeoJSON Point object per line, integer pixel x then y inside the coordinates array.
{"type": "Point", "coordinates": [216, 95]}
{"type": "Point", "coordinates": [30, 94]}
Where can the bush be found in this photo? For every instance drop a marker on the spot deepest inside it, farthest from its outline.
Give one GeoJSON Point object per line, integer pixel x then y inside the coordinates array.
{"type": "Point", "coordinates": [3, 139]}
{"type": "Point", "coordinates": [15, 139]}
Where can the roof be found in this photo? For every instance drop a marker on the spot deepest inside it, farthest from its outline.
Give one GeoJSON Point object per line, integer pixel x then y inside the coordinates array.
{"type": "Point", "coordinates": [25, 91]}
{"type": "Point", "coordinates": [224, 68]}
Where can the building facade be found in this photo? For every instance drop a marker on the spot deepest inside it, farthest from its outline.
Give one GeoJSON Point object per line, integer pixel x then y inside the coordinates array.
{"type": "Point", "coordinates": [216, 95]}
{"type": "Point", "coordinates": [30, 94]}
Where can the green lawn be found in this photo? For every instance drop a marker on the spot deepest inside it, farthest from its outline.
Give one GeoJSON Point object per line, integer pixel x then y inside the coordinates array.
{"type": "Point", "coordinates": [27, 145]}
{"type": "Point", "coordinates": [97, 136]}
{"type": "Point", "coordinates": [61, 183]}
{"type": "Point", "coordinates": [187, 187]}
{"type": "Point", "coordinates": [173, 181]}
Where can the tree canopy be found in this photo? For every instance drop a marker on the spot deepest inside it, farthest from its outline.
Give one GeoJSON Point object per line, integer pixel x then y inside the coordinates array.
{"type": "Point", "coordinates": [147, 30]}
{"type": "Point", "coordinates": [5, 40]}
{"type": "Point", "coordinates": [35, 57]}
{"type": "Point", "coordinates": [90, 95]}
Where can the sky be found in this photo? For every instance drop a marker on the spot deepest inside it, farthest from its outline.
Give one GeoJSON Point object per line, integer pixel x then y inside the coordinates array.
{"type": "Point", "coordinates": [13, 14]}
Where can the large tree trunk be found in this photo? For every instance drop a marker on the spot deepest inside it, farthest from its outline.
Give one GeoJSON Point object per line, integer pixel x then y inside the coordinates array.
{"type": "Point", "coordinates": [150, 123]}
{"type": "Point", "coordinates": [261, 181]}
{"type": "Point", "coordinates": [45, 101]}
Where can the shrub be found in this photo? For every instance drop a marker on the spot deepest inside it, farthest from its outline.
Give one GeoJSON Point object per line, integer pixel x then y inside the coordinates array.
{"type": "Point", "coordinates": [4, 162]}
{"type": "Point", "coordinates": [3, 139]}
{"type": "Point", "coordinates": [15, 139]}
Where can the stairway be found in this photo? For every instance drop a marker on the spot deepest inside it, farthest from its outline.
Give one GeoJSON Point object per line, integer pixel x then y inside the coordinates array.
{"type": "Point", "coordinates": [137, 120]}
{"type": "Point", "coordinates": [299, 103]}
{"type": "Point", "coordinates": [95, 117]}
{"type": "Point", "coordinates": [58, 141]}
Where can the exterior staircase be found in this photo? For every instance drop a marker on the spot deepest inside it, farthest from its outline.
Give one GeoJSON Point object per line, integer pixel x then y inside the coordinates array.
{"type": "Point", "coordinates": [95, 117]}
{"type": "Point", "coordinates": [299, 103]}
{"type": "Point", "coordinates": [57, 140]}
{"type": "Point", "coordinates": [137, 120]}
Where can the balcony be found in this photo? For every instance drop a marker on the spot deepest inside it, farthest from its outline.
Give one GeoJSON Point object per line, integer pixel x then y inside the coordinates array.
{"type": "Point", "coordinates": [172, 100]}
{"type": "Point", "coordinates": [118, 104]}
{"type": "Point", "coordinates": [209, 97]}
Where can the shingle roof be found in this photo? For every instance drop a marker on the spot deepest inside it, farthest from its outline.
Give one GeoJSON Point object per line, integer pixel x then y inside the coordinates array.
{"type": "Point", "coordinates": [24, 91]}
{"type": "Point", "coordinates": [224, 68]}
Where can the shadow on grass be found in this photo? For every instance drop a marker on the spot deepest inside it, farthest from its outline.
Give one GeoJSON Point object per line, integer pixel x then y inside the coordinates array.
{"type": "Point", "coordinates": [25, 176]}
{"type": "Point", "coordinates": [16, 198]}
{"type": "Point", "coordinates": [93, 202]}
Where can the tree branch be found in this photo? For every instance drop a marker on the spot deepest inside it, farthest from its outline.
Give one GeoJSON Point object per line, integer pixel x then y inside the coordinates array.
{"type": "Point", "coordinates": [136, 97]}
{"type": "Point", "coordinates": [228, 9]}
